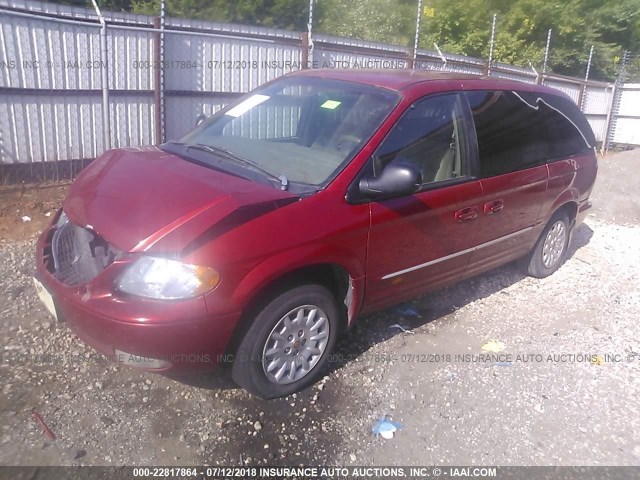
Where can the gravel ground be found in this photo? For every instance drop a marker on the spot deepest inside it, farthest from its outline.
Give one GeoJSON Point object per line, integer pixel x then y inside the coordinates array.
{"type": "Point", "coordinates": [536, 410]}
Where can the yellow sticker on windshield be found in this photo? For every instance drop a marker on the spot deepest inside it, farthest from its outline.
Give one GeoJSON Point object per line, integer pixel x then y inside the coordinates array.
{"type": "Point", "coordinates": [330, 104]}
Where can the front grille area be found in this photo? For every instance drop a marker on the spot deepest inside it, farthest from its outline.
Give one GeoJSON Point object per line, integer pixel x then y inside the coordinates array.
{"type": "Point", "coordinates": [78, 254]}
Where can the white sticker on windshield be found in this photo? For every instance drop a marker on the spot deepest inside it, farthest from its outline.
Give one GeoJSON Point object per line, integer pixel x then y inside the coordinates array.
{"type": "Point", "coordinates": [247, 105]}
{"type": "Point", "coordinates": [330, 104]}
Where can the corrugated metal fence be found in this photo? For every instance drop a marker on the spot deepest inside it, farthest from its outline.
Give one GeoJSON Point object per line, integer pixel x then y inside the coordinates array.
{"type": "Point", "coordinates": [626, 127]}
{"type": "Point", "coordinates": [161, 77]}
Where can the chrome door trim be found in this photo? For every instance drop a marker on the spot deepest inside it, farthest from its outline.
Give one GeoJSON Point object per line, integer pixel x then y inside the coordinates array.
{"type": "Point", "coordinates": [457, 254]}
{"type": "Point", "coordinates": [506, 237]}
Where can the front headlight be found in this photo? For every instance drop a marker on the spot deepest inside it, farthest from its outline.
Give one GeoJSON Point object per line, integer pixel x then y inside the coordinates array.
{"type": "Point", "coordinates": [167, 279]}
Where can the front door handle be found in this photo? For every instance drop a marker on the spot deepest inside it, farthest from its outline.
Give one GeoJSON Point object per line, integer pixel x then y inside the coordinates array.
{"type": "Point", "coordinates": [467, 214]}
{"type": "Point", "coordinates": [493, 207]}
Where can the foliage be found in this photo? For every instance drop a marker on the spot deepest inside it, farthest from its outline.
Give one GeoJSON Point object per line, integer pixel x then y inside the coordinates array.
{"type": "Point", "coordinates": [459, 26]}
{"type": "Point", "coordinates": [112, 5]}
{"type": "Point", "coordinates": [290, 14]}
{"type": "Point", "coordinates": [464, 27]}
{"type": "Point", "coordinates": [522, 27]}
{"type": "Point", "coordinates": [391, 21]}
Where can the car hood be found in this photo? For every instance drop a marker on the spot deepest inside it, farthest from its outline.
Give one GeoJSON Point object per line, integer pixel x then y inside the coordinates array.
{"type": "Point", "coordinates": [144, 199]}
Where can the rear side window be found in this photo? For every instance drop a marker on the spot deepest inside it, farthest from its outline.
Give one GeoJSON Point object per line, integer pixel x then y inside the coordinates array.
{"type": "Point", "coordinates": [567, 129]}
{"type": "Point", "coordinates": [519, 130]}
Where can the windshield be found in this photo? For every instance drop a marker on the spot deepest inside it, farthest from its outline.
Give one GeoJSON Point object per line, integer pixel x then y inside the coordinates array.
{"type": "Point", "coordinates": [299, 129]}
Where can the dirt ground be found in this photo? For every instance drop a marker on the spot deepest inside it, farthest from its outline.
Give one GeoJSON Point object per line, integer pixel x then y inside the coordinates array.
{"type": "Point", "coordinates": [567, 395]}
{"type": "Point", "coordinates": [38, 204]}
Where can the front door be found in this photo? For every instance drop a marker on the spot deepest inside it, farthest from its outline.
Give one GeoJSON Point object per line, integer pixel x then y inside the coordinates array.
{"type": "Point", "coordinates": [422, 241]}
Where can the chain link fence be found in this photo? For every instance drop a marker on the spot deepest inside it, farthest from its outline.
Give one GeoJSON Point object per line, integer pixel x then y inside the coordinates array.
{"type": "Point", "coordinates": [75, 82]}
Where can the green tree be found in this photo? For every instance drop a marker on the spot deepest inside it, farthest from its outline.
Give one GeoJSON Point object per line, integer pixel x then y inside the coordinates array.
{"type": "Point", "coordinates": [291, 14]}
{"type": "Point", "coordinates": [465, 26]}
{"type": "Point", "coordinates": [459, 26]}
{"type": "Point", "coordinates": [390, 21]}
{"type": "Point", "coordinates": [111, 5]}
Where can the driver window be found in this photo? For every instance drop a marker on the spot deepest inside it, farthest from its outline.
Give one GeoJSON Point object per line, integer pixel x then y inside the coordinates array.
{"type": "Point", "coordinates": [431, 135]}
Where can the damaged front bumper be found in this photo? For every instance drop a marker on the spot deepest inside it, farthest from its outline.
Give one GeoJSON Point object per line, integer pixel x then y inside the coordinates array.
{"type": "Point", "coordinates": [143, 333]}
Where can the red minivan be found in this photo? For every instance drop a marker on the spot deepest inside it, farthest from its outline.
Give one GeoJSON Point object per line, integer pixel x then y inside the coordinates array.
{"type": "Point", "coordinates": [261, 235]}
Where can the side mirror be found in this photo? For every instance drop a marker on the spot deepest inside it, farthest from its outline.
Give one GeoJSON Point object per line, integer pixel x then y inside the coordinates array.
{"type": "Point", "coordinates": [201, 117]}
{"type": "Point", "coordinates": [397, 178]}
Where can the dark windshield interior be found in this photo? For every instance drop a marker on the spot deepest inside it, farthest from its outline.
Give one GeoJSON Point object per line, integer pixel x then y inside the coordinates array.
{"type": "Point", "coordinates": [305, 129]}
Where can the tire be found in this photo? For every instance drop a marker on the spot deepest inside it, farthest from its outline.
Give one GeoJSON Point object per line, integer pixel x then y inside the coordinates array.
{"type": "Point", "coordinates": [544, 260]}
{"type": "Point", "coordinates": [285, 317]}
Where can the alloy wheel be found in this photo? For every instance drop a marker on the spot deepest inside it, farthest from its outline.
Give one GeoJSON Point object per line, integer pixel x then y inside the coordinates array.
{"type": "Point", "coordinates": [295, 344]}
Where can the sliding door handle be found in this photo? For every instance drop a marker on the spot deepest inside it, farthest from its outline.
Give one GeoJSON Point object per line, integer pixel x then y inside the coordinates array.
{"type": "Point", "coordinates": [466, 214]}
{"type": "Point", "coordinates": [493, 207]}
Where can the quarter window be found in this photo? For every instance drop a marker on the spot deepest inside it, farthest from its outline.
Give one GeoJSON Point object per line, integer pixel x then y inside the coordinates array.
{"type": "Point", "coordinates": [568, 130]}
{"type": "Point", "coordinates": [432, 135]}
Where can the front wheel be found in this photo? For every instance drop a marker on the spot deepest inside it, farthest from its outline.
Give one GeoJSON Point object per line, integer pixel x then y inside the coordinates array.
{"type": "Point", "coordinates": [289, 342]}
{"type": "Point", "coordinates": [551, 248]}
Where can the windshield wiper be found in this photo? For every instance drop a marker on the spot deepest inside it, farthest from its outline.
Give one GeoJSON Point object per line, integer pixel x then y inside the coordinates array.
{"type": "Point", "coordinates": [223, 152]}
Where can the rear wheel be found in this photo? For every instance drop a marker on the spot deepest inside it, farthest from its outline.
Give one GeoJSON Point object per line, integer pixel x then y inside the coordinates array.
{"type": "Point", "coordinates": [288, 344]}
{"type": "Point", "coordinates": [550, 250]}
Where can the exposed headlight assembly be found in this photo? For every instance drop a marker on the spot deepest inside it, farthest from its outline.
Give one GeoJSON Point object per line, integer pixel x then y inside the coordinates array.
{"type": "Point", "coordinates": [166, 279]}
